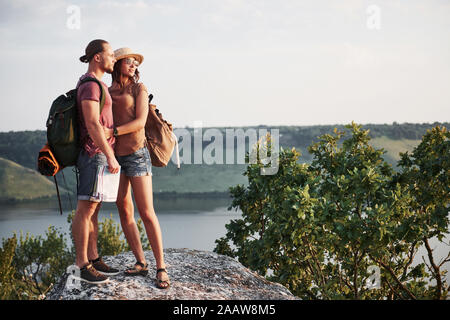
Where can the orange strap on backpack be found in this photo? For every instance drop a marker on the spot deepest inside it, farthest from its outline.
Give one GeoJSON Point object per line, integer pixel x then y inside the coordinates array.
{"type": "Point", "coordinates": [47, 164]}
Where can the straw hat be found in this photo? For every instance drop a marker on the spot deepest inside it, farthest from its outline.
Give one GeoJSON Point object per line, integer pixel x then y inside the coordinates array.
{"type": "Point", "coordinates": [122, 53]}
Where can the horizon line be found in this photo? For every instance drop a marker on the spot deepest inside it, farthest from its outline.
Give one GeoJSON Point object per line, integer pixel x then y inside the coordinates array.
{"type": "Point", "coordinates": [277, 126]}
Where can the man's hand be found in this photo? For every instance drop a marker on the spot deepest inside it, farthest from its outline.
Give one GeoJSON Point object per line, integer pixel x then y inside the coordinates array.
{"type": "Point", "coordinates": [113, 165]}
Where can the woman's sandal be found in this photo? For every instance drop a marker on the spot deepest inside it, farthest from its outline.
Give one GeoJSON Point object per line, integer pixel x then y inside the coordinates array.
{"type": "Point", "coordinates": [159, 282]}
{"type": "Point", "coordinates": [138, 269]}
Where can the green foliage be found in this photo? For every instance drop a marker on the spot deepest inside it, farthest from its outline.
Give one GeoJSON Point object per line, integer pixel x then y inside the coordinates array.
{"type": "Point", "coordinates": [426, 173]}
{"type": "Point", "coordinates": [41, 260]}
{"type": "Point", "coordinates": [30, 265]}
{"type": "Point", "coordinates": [7, 271]}
{"type": "Point", "coordinates": [318, 229]}
{"type": "Point", "coordinates": [109, 238]}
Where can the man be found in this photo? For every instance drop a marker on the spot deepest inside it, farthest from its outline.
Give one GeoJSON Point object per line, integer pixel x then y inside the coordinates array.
{"type": "Point", "coordinates": [97, 150]}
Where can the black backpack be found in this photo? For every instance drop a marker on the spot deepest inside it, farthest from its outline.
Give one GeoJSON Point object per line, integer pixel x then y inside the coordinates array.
{"type": "Point", "coordinates": [63, 135]}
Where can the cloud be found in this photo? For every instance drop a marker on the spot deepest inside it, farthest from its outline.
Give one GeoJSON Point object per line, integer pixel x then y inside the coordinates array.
{"type": "Point", "coordinates": [124, 4]}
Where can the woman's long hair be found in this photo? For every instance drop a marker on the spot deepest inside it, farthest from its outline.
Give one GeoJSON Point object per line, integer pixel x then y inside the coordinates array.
{"type": "Point", "coordinates": [118, 77]}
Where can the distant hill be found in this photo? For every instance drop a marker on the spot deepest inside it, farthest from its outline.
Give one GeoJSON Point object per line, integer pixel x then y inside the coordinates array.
{"type": "Point", "coordinates": [20, 183]}
{"type": "Point", "coordinates": [393, 147]}
{"type": "Point", "coordinates": [22, 147]}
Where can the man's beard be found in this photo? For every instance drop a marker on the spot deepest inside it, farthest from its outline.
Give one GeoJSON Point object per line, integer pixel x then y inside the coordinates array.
{"type": "Point", "coordinates": [109, 71]}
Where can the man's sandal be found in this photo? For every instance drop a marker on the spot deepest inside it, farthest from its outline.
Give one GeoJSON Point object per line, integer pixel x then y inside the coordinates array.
{"type": "Point", "coordinates": [138, 269]}
{"type": "Point", "coordinates": [162, 284]}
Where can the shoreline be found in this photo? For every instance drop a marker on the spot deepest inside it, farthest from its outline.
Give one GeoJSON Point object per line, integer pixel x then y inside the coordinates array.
{"type": "Point", "coordinates": [161, 195]}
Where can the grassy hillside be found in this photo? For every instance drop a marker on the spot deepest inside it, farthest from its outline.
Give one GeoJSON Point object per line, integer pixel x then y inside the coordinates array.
{"type": "Point", "coordinates": [20, 183]}
{"type": "Point", "coordinates": [393, 147]}
{"type": "Point", "coordinates": [197, 178]}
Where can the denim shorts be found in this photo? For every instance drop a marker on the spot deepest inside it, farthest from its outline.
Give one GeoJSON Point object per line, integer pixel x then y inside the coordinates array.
{"type": "Point", "coordinates": [88, 168]}
{"type": "Point", "coordinates": [136, 164]}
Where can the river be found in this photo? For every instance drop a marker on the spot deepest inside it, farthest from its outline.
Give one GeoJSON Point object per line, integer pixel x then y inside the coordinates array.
{"type": "Point", "coordinates": [185, 223]}
{"type": "Point", "coordinates": [193, 223]}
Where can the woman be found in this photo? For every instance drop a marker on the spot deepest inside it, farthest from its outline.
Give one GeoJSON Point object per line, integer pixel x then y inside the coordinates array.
{"type": "Point", "coordinates": [130, 108]}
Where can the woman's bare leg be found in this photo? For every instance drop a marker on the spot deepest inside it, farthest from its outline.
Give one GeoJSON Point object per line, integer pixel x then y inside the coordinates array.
{"type": "Point", "coordinates": [126, 211]}
{"type": "Point", "coordinates": [143, 195]}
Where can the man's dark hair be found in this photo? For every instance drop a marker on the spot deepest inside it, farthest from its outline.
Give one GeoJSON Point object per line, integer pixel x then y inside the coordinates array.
{"type": "Point", "coordinates": [94, 47]}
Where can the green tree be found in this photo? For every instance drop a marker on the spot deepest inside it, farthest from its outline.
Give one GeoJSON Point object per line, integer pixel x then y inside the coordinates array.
{"type": "Point", "coordinates": [362, 210]}
{"type": "Point", "coordinates": [426, 173]}
{"type": "Point", "coordinates": [320, 229]}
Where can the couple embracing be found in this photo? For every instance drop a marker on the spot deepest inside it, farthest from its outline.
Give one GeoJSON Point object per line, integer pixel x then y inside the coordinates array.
{"type": "Point", "coordinates": [112, 124]}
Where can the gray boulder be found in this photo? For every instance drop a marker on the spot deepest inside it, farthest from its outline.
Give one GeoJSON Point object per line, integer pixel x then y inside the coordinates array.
{"type": "Point", "coordinates": [194, 275]}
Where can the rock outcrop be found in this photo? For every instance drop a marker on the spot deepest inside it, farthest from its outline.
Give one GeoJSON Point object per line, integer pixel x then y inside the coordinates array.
{"type": "Point", "coordinates": [195, 275]}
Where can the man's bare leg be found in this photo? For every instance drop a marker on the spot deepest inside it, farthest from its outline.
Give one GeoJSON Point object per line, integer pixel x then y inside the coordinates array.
{"type": "Point", "coordinates": [80, 230]}
{"type": "Point", "coordinates": [92, 251]}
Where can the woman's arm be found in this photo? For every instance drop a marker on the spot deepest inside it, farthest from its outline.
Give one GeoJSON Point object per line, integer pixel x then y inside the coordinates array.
{"type": "Point", "coordinates": [141, 114]}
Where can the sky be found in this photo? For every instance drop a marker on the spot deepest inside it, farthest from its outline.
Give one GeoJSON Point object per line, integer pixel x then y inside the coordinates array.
{"type": "Point", "coordinates": [235, 63]}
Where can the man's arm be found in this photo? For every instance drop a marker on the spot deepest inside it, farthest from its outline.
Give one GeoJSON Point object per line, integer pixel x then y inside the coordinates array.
{"type": "Point", "coordinates": [91, 111]}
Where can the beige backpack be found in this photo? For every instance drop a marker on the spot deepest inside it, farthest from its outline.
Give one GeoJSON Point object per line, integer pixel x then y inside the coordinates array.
{"type": "Point", "coordinates": [161, 140]}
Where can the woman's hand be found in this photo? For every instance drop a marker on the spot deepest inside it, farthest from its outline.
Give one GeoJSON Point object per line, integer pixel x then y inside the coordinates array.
{"type": "Point", "coordinates": [108, 132]}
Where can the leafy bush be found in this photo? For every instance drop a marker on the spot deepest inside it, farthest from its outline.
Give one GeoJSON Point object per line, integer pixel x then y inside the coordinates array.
{"type": "Point", "coordinates": [321, 229]}
{"type": "Point", "coordinates": [30, 265]}
{"type": "Point", "coordinates": [7, 271]}
{"type": "Point", "coordinates": [111, 238]}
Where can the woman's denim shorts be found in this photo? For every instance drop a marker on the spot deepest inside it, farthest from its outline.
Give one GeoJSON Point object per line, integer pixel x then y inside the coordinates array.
{"type": "Point", "coordinates": [136, 164]}
{"type": "Point", "coordinates": [88, 168]}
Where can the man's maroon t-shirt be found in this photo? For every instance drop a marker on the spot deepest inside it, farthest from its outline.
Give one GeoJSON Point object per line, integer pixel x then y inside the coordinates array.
{"type": "Point", "coordinates": [91, 91]}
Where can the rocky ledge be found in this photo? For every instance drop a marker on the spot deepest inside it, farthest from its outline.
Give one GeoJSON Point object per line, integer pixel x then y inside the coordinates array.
{"type": "Point", "coordinates": [195, 275]}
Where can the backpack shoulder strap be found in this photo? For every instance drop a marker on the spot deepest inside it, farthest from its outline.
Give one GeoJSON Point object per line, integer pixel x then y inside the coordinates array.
{"type": "Point", "coordinates": [102, 90]}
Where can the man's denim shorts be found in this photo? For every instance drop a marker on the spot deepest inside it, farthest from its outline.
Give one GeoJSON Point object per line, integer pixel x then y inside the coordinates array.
{"type": "Point", "coordinates": [88, 168]}
{"type": "Point", "coordinates": [136, 164]}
